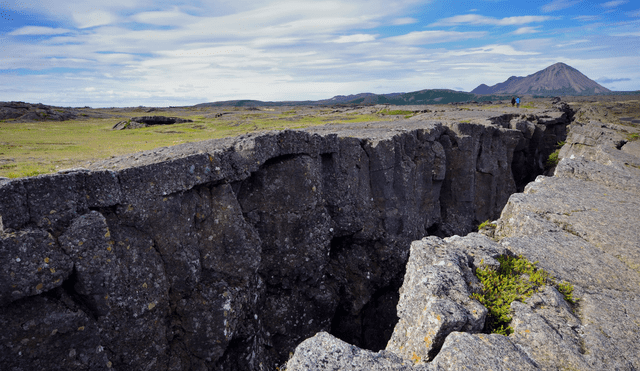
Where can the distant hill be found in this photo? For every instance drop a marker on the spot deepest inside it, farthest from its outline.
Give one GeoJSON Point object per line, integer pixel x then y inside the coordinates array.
{"type": "Point", "coordinates": [428, 96]}
{"type": "Point", "coordinates": [557, 79]}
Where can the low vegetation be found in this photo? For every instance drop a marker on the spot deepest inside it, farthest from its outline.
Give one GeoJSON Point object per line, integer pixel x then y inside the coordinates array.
{"type": "Point", "coordinates": [487, 224]}
{"type": "Point", "coordinates": [516, 279]}
{"type": "Point", "coordinates": [406, 114]}
{"type": "Point", "coordinates": [33, 148]}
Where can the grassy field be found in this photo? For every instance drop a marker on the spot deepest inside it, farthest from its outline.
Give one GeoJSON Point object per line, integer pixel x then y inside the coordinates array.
{"type": "Point", "coordinates": [32, 148]}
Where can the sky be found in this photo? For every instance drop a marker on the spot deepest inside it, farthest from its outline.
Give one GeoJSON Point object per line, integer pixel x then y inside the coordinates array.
{"type": "Point", "coordinates": [124, 53]}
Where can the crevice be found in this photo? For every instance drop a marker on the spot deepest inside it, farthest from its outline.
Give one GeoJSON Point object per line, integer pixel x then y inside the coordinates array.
{"type": "Point", "coordinates": [75, 301]}
{"type": "Point", "coordinates": [620, 144]}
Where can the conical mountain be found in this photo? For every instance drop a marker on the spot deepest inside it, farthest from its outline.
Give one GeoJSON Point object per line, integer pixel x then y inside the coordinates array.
{"type": "Point", "coordinates": [557, 79]}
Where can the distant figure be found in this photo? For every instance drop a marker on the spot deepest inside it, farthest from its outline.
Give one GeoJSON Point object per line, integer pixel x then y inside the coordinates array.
{"type": "Point", "coordinates": [513, 101]}
{"type": "Point", "coordinates": [518, 102]}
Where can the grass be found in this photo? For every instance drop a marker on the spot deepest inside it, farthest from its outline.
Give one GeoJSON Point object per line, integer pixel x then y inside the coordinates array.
{"type": "Point", "coordinates": [33, 148]}
{"type": "Point", "coordinates": [515, 279]}
{"type": "Point", "coordinates": [633, 137]}
{"type": "Point", "coordinates": [406, 114]}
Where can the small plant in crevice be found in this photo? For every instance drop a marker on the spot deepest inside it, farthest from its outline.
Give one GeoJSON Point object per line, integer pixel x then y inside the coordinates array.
{"type": "Point", "coordinates": [553, 159]}
{"type": "Point", "coordinates": [486, 224]}
{"type": "Point", "coordinates": [515, 279]}
{"type": "Point", "coordinates": [566, 289]}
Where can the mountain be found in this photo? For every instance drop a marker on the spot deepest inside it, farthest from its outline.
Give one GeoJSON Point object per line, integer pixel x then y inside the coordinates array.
{"type": "Point", "coordinates": [557, 79]}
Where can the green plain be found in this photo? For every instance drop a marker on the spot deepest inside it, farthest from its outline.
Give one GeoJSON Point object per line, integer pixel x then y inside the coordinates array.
{"type": "Point", "coordinates": [33, 148]}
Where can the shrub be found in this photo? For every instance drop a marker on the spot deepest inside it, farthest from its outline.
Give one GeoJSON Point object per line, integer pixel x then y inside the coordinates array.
{"type": "Point", "coordinates": [553, 159]}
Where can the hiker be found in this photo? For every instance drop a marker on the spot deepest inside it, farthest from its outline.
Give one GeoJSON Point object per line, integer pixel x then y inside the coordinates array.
{"type": "Point", "coordinates": [513, 101]}
{"type": "Point", "coordinates": [518, 102]}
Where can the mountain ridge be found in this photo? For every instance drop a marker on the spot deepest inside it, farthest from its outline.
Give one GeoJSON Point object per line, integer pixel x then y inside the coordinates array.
{"type": "Point", "coordinates": [557, 79]}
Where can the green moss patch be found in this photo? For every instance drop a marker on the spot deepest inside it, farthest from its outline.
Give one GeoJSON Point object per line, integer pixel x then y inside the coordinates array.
{"type": "Point", "coordinates": [516, 279]}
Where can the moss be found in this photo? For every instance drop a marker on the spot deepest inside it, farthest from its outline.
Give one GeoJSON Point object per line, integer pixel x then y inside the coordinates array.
{"type": "Point", "coordinates": [515, 279]}
{"type": "Point", "coordinates": [632, 137]}
{"type": "Point", "coordinates": [486, 224]}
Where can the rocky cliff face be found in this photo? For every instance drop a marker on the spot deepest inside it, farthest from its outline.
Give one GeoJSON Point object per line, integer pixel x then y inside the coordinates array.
{"type": "Point", "coordinates": [227, 254]}
{"type": "Point", "coordinates": [581, 225]}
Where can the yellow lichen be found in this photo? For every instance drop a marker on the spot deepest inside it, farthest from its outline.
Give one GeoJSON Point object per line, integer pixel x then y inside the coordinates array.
{"type": "Point", "coordinates": [39, 286]}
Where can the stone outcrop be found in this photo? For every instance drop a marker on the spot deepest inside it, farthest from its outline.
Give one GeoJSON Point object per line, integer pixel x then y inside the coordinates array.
{"type": "Point", "coordinates": [581, 225]}
{"type": "Point", "coordinates": [24, 112]}
{"type": "Point", "coordinates": [146, 121]}
{"type": "Point", "coordinates": [227, 254]}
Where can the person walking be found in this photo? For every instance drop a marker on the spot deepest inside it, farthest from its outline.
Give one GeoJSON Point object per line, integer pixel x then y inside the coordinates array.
{"type": "Point", "coordinates": [513, 101]}
{"type": "Point", "coordinates": [518, 102]}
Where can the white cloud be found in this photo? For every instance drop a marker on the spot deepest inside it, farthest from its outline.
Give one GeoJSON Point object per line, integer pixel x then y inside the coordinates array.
{"type": "Point", "coordinates": [572, 42]}
{"type": "Point", "coordinates": [433, 37]}
{"type": "Point", "coordinates": [165, 18]}
{"type": "Point", "coordinates": [93, 19]}
{"type": "Point", "coordinates": [613, 4]}
{"type": "Point", "coordinates": [358, 38]}
{"type": "Point", "coordinates": [403, 21]}
{"type": "Point", "coordinates": [556, 5]}
{"type": "Point", "coordinates": [587, 18]}
{"type": "Point", "coordinates": [526, 30]}
{"type": "Point", "coordinates": [37, 30]}
{"type": "Point", "coordinates": [475, 19]}
{"type": "Point", "coordinates": [489, 49]}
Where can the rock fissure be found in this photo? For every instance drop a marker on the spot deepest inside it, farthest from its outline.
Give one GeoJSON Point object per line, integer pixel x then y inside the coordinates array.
{"type": "Point", "coordinates": [228, 255]}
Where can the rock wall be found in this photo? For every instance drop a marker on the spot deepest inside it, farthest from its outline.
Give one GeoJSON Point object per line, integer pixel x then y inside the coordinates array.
{"type": "Point", "coordinates": [582, 226]}
{"type": "Point", "coordinates": [227, 254]}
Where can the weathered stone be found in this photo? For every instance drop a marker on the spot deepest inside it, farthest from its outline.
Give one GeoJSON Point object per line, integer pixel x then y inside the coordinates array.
{"type": "Point", "coordinates": [13, 204]}
{"type": "Point", "coordinates": [120, 281]}
{"type": "Point", "coordinates": [32, 264]}
{"type": "Point", "coordinates": [463, 351]}
{"type": "Point", "coordinates": [44, 333]}
{"type": "Point", "coordinates": [325, 352]}
{"type": "Point", "coordinates": [55, 200]}
{"type": "Point", "coordinates": [435, 298]}
{"type": "Point", "coordinates": [146, 121]}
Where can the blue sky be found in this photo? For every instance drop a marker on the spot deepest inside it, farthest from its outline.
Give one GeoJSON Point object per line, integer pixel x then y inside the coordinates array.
{"type": "Point", "coordinates": [161, 53]}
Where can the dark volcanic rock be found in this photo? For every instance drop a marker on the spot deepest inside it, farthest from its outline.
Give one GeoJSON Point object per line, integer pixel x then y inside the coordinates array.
{"type": "Point", "coordinates": [20, 111]}
{"type": "Point", "coordinates": [226, 254]}
{"type": "Point", "coordinates": [145, 121]}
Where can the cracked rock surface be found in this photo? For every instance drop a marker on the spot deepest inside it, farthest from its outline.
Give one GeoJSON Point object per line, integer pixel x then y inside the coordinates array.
{"type": "Point", "coordinates": [582, 226]}
{"type": "Point", "coordinates": [226, 254]}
